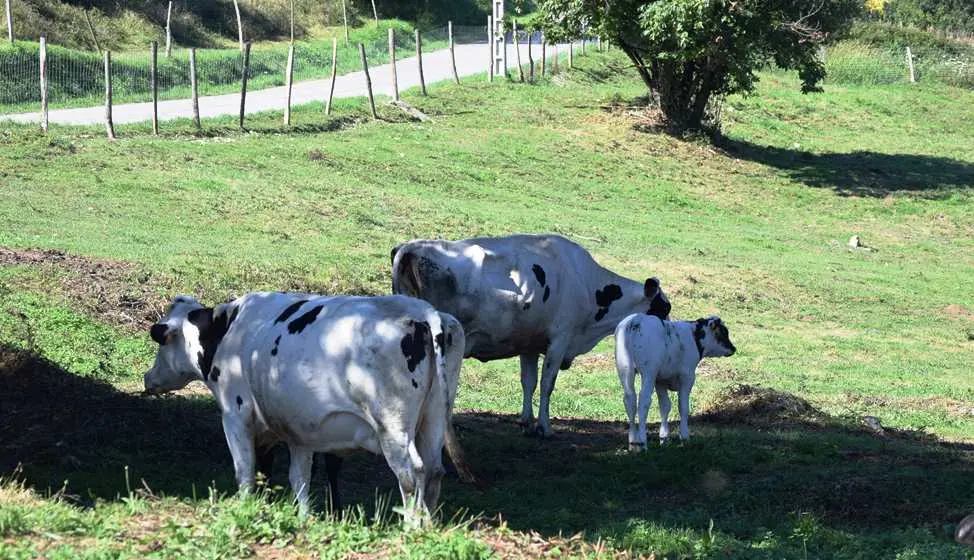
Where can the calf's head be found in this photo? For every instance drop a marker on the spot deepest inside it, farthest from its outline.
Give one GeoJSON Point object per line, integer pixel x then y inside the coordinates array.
{"type": "Point", "coordinates": [712, 337]}
{"type": "Point", "coordinates": [659, 304]}
{"type": "Point", "coordinates": [179, 358]}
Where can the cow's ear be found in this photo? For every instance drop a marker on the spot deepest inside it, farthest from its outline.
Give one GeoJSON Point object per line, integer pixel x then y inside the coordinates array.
{"type": "Point", "coordinates": [202, 318]}
{"type": "Point", "coordinates": [392, 254]}
{"type": "Point", "coordinates": [161, 334]}
{"type": "Point", "coordinates": [651, 287]}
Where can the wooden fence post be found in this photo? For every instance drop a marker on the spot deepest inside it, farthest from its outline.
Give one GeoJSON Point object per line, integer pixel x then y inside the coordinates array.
{"type": "Point", "coordinates": [243, 82]}
{"type": "Point", "coordinates": [169, 30]}
{"type": "Point", "coordinates": [554, 59]}
{"type": "Point", "coordinates": [544, 55]}
{"type": "Point", "coordinates": [345, 20]}
{"type": "Point", "coordinates": [392, 64]}
{"type": "Point", "coordinates": [583, 45]}
{"type": "Point", "coordinates": [598, 43]}
{"type": "Point", "coordinates": [154, 85]}
{"type": "Point", "coordinates": [517, 51]}
{"type": "Point", "coordinates": [368, 80]}
{"type": "Point", "coordinates": [334, 72]}
{"type": "Point", "coordinates": [43, 64]}
{"type": "Point", "coordinates": [419, 62]}
{"type": "Point", "coordinates": [453, 56]}
{"type": "Point", "coordinates": [10, 23]}
{"type": "Point", "coordinates": [194, 88]}
{"type": "Point", "coordinates": [530, 58]}
{"type": "Point", "coordinates": [909, 62]}
{"type": "Point", "coordinates": [571, 54]}
{"type": "Point", "coordinates": [490, 48]}
{"type": "Point", "coordinates": [289, 79]}
{"type": "Point", "coordinates": [109, 126]}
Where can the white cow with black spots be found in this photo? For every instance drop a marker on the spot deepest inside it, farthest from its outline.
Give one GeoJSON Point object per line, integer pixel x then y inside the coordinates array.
{"type": "Point", "coordinates": [320, 373]}
{"type": "Point", "coordinates": [665, 354]}
{"type": "Point", "coordinates": [524, 295]}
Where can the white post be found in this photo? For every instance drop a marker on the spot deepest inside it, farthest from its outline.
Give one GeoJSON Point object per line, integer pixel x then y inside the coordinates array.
{"type": "Point", "coordinates": [43, 68]}
{"type": "Point", "coordinates": [909, 61]}
{"type": "Point", "coordinates": [500, 39]}
{"type": "Point", "coordinates": [169, 30]}
{"type": "Point", "coordinates": [10, 23]}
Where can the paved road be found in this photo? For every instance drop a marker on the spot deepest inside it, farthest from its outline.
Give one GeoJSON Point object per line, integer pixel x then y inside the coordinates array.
{"type": "Point", "coordinates": [471, 59]}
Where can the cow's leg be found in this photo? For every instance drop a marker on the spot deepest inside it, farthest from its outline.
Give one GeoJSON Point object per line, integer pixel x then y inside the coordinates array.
{"type": "Point", "coordinates": [300, 475]}
{"type": "Point", "coordinates": [685, 386]}
{"type": "Point", "coordinates": [529, 382]}
{"type": "Point", "coordinates": [553, 358]}
{"type": "Point", "coordinates": [399, 449]}
{"type": "Point", "coordinates": [240, 439]}
{"type": "Point", "coordinates": [645, 401]}
{"type": "Point", "coordinates": [429, 440]}
{"type": "Point", "coordinates": [664, 412]}
{"type": "Point", "coordinates": [333, 464]}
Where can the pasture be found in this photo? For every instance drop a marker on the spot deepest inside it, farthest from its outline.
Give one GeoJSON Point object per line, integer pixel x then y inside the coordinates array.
{"type": "Point", "coordinates": [96, 237]}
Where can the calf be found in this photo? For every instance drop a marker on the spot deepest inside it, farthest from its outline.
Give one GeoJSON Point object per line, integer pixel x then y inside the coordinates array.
{"type": "Point", "coordinates": [665, 354]}
{"type": "Point", "coordinates": [524, 295]}
{"type": "Point", "coordinates": [319, 373]}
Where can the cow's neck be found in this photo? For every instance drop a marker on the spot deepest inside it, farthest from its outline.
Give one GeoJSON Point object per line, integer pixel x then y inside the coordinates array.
{"type": "Point", "coordinates": [631, 301]}
{"type": "Point", "coordinates": [213, 324]}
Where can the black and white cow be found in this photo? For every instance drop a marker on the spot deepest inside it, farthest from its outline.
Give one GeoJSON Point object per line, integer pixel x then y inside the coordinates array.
{"type": "Point", "coordinates": [320, 373]}
{"type": "Point", "coordinates": [665, 354]}
{"type": "Point", "coordinates": [524, 295]}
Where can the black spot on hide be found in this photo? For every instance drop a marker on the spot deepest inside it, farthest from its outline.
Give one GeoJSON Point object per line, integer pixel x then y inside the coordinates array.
{"type": "Point", "coordinates": [200, 361]}
{"type": "Point", "coordinates": [547, 293]}
{"type": "Point", "coordinates": [698, 334]}
{"type": "Point", "coordinates": [239, 402]}
{"type": "Point", "coordinates": [539, 273]}
{"type": "Point", "coordinates": [414, 345]}
{"type": "Point", "coordinates": [442, 338]}
{"type": "Point", "coordinates": [276, 342]}
{"type": "Point", "coordinates": [298, 325]}
{"type": "Point", "coordinates": [215, 374]}
{"type": "Point", "coordinates": [634, 327]}
{"type": "Point", "coordinates": [212, 330]}
{"type": "Point", "coordinates": [526, 306]}
{"type": "Point", "coordinates": [289, 310]}
{"type": "Point", "coordinates": [605, 297]}
{"type": "Point", "coordinates": [158, 333]}
{"type": "Point", "coordinates": [415, 385]}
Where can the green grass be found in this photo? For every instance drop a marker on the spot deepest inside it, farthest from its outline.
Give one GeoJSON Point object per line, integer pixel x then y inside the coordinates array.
{"type": "Point", "coordinates": [76, 78]}
{"type": "Point", "coordinates": [754, 230]}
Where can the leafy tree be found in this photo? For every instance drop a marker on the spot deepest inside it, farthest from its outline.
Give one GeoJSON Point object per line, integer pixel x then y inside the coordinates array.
{"type": "Point", "coordinates": [689, 51]}
{"type": "Point", "coordinates": [952, 15]}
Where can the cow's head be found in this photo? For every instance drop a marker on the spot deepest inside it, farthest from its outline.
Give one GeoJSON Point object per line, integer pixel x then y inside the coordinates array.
{"type": "Point", "coordinates": [659, 304]}
{"type": "Point", "coordinates": [712, 337]}
{"type": "Point", "coordinates": [180, 351]}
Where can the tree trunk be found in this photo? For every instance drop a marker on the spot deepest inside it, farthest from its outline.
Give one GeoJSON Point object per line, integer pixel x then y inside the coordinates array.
{"type": "Point", "coordinates": [637, 61]}
{"type": "Point", "coordinates": [292, 22]}
{"type": "Point", "coordinates": [236, 8]}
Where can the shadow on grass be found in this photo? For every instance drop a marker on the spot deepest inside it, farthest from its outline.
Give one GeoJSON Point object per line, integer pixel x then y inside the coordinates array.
{"type": "Point", "coordinates": [758, 461]}
{"type": "Point", "coordinates": [861, 173]}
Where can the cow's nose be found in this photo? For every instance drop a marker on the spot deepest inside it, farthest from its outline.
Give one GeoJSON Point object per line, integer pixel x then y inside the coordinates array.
{"type": "Point", "coordinates": [733, 350]}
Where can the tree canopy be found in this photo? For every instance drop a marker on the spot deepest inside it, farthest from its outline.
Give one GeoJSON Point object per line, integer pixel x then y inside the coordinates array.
{"type": "Point", "coordinates": [688, 51]}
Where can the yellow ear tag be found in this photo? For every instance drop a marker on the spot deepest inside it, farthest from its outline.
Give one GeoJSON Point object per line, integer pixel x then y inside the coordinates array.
{"type": "Point", "coordinates": [713, 327]}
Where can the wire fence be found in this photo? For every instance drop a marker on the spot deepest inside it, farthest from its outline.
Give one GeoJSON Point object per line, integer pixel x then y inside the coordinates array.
{"type": "Point", "coordinates": [76, 78]}
{"type": "Point", "coordinates": [854, 63]}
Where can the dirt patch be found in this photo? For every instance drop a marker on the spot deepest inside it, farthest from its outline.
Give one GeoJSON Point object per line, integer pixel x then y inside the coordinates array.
{"type": "Point", "coordinates": [761, 407]}
{"type": "Point", "coordinates": [116, 293]}
{"type": "Point", "coordinates": [956, 311]}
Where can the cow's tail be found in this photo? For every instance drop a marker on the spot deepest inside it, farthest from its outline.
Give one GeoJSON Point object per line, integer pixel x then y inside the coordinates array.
{"type": "Point", "coordinates": [405, 277]}
{"type": "Point", "coordinates": [439, 340]}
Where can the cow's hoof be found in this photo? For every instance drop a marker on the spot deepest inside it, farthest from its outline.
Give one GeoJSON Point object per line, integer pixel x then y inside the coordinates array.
{"type": "Point", "coordinates": [636, 447]}
{"type": "Point", "coordinates": [664, 441]}
{"type": "Point", "coordinates": [543, 433]}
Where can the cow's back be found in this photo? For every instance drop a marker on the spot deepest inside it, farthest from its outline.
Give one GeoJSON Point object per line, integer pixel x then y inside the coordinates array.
{"type": "Point", "coordinates": [314, 363]}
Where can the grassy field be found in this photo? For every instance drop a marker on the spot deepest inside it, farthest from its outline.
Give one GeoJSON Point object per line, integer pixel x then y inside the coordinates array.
{"type": "Point", "coordinates": [98, 236]}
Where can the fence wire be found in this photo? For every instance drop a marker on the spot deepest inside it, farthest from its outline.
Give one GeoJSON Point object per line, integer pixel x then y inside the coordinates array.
{"type": "Point", "coordinates": [76, 78]}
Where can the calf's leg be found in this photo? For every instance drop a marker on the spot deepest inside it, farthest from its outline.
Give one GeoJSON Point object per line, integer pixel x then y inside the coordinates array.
{"type": "Point", "coordinates": [529, 382]}
{"type": "Point", "coordinates": [645, 401]}
{"type": "Point", "coordinates": [664, 412]}
{"type": "Point", "coordinates": [685, 387]}
{"type": "Point", "coordinates": [627, 377]}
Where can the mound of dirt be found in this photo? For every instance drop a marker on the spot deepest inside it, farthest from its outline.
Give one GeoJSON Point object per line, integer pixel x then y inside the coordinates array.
{"type": "Point", "coordinates": [762, 408]}
{"type": "Point", "coordinates": [115, 292]}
